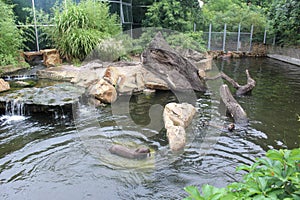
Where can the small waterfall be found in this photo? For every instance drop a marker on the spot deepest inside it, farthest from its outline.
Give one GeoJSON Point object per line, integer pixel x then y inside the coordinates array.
{"type": "Point", "coordinates": [14, 108]}
{"type": "Point", "coordinates": [19, 77]}
{"type": "Point", "coordinates": [14, 111]}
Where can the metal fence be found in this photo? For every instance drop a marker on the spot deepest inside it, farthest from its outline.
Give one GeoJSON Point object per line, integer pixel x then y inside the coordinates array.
{"type": "Point", "coordinates": [238, 40]}
{"type": "Point", "coordinates": [225, 40]}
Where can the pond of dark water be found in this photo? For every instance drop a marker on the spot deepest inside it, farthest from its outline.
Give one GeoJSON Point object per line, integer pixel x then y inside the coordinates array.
{"type": "Point", "coordinates": [68, 158]}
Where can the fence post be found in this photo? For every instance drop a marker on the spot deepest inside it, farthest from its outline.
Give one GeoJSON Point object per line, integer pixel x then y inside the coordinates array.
{"type": "Point", "coordinates": [209, 37]}
{"type": "Point", "coordinates": [224, 38]}
{"type": "Point", "coordinates": [251, 35]}
{"type": "Point", "coordinates": [35, 27]}
{"type": "Point", "coordinates": [265, 36]}
{"type": "Point", "coordinates": [239, 35]}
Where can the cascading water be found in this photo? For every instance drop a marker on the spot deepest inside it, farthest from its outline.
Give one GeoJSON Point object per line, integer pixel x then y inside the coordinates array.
{"type": "Point", "coordinates": [14, 111]}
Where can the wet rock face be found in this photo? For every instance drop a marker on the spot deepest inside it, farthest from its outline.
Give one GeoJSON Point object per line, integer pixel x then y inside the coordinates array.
{"type": "Point", "coordinates": [41, 99]}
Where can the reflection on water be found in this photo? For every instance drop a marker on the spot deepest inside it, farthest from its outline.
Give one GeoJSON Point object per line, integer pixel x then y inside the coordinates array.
{"type": "Point", "coordinates": [42, 158]}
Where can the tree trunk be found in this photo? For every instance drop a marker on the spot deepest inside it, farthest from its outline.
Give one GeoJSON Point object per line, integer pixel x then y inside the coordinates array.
{"type": "Point", "coordinates": [240, 89]}
{"type": "Point", "coordinates": [233, 107]}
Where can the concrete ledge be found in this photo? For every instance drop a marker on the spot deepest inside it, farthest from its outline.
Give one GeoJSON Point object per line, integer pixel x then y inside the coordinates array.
{"type": "Point", "coordinates": [286, 59]}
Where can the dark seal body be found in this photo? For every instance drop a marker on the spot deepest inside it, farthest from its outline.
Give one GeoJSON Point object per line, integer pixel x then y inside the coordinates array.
{"type": "Point", "coordinates": [139, 153]}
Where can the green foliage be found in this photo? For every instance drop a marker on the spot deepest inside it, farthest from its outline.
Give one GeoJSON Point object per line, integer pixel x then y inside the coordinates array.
{"type": "Point", "coordinates": [285, 15]}
{"type": "Point", "coordinates": [42, 20]}
{"type": "Point", "coordinates": [10, 36]}
{"type": "Point", "coordinates": [274, 177]}
{"type": "Point", "coordinates": [112, 49]}
{"type": "Point", "coordinates": [81, 27]}
{"type": "Point", "coordinates": [177, 40]}
{"type": "Point", "coordinates": [170, 14]}
{"type": "Point", "coordinates": [233, 12]}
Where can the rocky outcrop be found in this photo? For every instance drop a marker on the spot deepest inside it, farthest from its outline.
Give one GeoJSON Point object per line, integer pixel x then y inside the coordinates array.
{"type": "Point", "coordinates": [130, 79]}
{"type": "Point", "coordinates": [176, 118]}
{"type": "Point", "coordinates": [51, 57]}
{"type": "Point", "coordinates": [89, 73]}
{"type": "Point", "coordinates": [4, 86]}
{"type": "Point", "coordinates": [51, 99]}
{"type": "Point", "coordinates": [61, 73]}
{"type": "Point", "coordinates": [169, 65]}
{"type": "Point", "coordinates": [201, 60]}
{"type": "Point", "coordinates": [103, 91]}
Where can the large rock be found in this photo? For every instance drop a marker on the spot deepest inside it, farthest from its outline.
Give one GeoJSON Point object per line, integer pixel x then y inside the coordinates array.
{"type": "Point", "coordinates": [58, 98]}
{"type": "Point", "coordinates": [89, 73]}
{"type": "Point", "coordinates": [176, 136]}
{"type": "Point", "coordinates": [51, 57]}
{"type": "Point", "coordinates": [112, 75]}
{"type": "Point", "coordinates": [103, 91]}
{"type": "Point", "coordinates": [4, 86]}
{"type": "Point", "coordinates": [154, 82]}
{"type": "Point", "coordinates": [128, 77]}
{"type": "Point", "coordinates": [176, 118]}
{"type": "Point", "coordinates": [61, 73]}
{"type": "Point", "coordinates": [202, 61]}
{"type": "Point", "coordinates": [167, 64]}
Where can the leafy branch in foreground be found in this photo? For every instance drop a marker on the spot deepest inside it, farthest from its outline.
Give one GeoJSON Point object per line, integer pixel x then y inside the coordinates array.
{"type": "Point", "coordinates": [275, 177]}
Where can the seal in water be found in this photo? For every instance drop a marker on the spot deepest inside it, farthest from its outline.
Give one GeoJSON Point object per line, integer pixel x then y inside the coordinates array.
{"type": "Point", "coordinates": [139, 153]}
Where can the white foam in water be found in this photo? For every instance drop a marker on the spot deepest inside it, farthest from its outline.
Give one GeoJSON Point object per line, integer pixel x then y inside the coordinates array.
{"type": "Point", "coordinates": [8, 119]}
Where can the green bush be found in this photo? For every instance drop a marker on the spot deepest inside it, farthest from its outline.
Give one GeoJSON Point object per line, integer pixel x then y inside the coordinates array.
{"type": "Point", "coordinates": [177, 40]}
{"type": "Point", "coordinates": [112, 49]}
{"type": "Point", "coordinates": [10, 37]}
{"type": "Point", "coordinates": [81, 27]}
{"type": "Point", "coordinates": [274, 177]}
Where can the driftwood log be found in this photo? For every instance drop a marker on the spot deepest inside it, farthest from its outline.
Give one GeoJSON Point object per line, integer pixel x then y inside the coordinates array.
{"type": "Point", "coordinates": [233, 107]}
{"type": "Point", "coordinates": [240, 89]}
{"type": "Point", "coordinates": [177, 71]}
{"type": "Point", "coordinates": [139, 153]}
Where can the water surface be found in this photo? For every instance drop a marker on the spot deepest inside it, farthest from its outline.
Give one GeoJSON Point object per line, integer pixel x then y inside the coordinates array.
{"type": "Point", "coordinates": [68, 158]}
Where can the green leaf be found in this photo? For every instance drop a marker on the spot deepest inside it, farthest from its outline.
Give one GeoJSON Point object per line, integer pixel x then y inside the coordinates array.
{"type": "Point", "coordinates": [275, 155]}
{"type": "Point", "coordinates": [194, 192]}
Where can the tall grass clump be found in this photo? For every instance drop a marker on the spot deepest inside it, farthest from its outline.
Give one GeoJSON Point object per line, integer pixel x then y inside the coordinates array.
{"type": "Point", "coordinates": [81, 27]}
{"type": "Point", "coordinates": [10, 36]}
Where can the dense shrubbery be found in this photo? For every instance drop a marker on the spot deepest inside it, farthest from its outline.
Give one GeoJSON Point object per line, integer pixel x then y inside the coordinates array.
{"type": "Point", "coordinates": [81, 27]}
{"type": "Point", "coordinates": [177, 40]}
{"type": "Point", "coordinates": [232, 12]}
{"type": "Point", "coordinates": [10, 36]}
{"type": "Point", "coordinates": [285, 19]}
{"type": "Point", "coordinates": [274, 177]}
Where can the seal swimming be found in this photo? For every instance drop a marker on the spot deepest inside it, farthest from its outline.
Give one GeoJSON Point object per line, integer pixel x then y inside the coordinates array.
{"type": "Point", "coordinates": [139, 153]}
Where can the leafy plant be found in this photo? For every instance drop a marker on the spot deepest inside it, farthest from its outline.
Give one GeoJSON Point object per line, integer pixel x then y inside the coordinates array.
{"type": "Point", "coordinates": [81, 27]}
{"type": "Point", "coordinates": [10, 36]}
{"type": "Point", "coordinates": [112, 49]}
{"type": "Point", "coordinates": [170, 14]}
{"type": "Point", "coordinates": [233, 12]}
{"type": "Point", "coordinates": [284, 16]}
{"type": "Point", "coordinates": [274, 177]}
{"type": "Point", "coordinates": [177, 40]}
{"type": "Point", "coordinates": [44, 23]}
